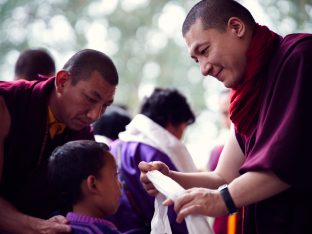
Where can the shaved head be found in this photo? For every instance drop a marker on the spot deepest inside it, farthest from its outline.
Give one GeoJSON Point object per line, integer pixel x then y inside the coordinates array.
{"type": "Point", "coordinates": [216, 13]}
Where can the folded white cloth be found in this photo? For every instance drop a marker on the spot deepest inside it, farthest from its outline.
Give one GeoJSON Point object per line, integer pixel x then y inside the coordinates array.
{"type": "Point", "coordinates": [196, 224]}
{"type": "Point", "coordinates": [160, 222]}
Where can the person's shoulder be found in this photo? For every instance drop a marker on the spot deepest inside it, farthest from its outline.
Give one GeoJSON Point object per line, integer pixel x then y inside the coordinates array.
{"type": "Point", "coordinates": [12, 86]}
{"type": "Point", "coordinates": [137, 146]}
{"type": "Point", "coordinates": [16, 93]}
{"type": "Point", "coordinates": [294, 48]}
{"type": "Point", "coordinates": [20, 86]}
{"type": "Point", "coordinates": [141, 151]}
{"type": "Point", "coordinates": [152, 149]}
{"type": "Point", "coordinates": [297, 37]}
{"type": "Point", "coordinates": [297, 41]}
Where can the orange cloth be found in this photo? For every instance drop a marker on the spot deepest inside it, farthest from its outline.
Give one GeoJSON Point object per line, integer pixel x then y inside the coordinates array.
{"type": "Point", "coordinates": [55, 127]}
{"type": "Point", "coordinates": [231, 224]}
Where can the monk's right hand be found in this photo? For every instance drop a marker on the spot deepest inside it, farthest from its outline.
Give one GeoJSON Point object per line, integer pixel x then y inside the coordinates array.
{"type": "Point", "coordinates": [150, 166]}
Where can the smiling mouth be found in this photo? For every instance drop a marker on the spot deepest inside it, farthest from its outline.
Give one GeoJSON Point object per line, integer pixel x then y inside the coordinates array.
{"type": "Point", "coordinates": [218, 74]}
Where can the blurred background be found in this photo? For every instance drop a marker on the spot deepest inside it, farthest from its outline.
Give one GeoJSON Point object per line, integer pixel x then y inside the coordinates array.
{"type": "Point", "coordinates": [143, 37]}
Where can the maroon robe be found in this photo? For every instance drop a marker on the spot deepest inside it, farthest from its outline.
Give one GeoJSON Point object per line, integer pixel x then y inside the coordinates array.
{"type": "Point", "coordinates": [24, 182]}
{"type": "Point", "coordinates": [282, 139]}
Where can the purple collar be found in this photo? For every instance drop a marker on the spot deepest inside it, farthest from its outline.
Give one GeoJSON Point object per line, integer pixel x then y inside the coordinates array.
{"type": "Point", "coordinates": [74, 217]}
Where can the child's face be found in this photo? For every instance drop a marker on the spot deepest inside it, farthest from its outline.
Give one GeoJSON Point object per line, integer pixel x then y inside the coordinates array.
{"type": "Point", "coordinates": [109, 187]}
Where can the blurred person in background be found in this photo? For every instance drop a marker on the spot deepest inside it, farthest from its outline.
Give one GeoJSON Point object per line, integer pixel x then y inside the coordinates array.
{"type": "Point", "coordinates": [110, 124]}
{"type": "Point", "coordinates": [224, 101]}
{"type": "Point", "coordinates": [153, 134]}
{"type": "Point", "coordinates": [34, 64]}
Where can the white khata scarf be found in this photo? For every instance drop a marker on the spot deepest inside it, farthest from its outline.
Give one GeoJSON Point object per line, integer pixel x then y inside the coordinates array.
{"type": "Point", "coordinates": [142, 129]}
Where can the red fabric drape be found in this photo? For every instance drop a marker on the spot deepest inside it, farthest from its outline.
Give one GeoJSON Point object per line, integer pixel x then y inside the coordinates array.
{"type": "Point", "coordinates": [245, 99]}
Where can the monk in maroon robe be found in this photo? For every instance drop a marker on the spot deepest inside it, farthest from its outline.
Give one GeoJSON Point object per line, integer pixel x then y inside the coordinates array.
{"type": "Point", "coordinates": [36, 117]}
{"type": "Point", "coordinates": [264, 166]}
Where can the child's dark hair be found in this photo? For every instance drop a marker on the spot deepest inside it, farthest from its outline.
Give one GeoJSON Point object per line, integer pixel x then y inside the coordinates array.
{"type": "Point", "coordinates": [70, 164]}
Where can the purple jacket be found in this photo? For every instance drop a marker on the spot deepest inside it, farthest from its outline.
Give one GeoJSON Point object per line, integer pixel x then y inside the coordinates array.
{"type": "Point", "coordinates": [137, 207]}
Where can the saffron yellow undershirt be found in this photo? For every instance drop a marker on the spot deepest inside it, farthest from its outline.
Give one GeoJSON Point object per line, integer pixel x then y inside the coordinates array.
{"type": "Point", "coordinates": [55, 127]}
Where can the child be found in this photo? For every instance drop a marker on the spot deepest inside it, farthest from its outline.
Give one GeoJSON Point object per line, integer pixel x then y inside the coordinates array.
{"type": "Point", "coordinates": [84, 174]}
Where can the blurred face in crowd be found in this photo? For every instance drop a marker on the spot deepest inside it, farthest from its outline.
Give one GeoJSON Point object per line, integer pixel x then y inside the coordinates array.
{"type": "Point", "coordinates": [177, 130]}
{"type": "Point", "coordinates": [224, 102]}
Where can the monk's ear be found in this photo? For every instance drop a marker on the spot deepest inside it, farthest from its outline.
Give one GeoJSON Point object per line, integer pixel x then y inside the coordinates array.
{"type": "Point", "coordinates": [61, 79]}
{"type": "Point", "coordinates": [236, 26]}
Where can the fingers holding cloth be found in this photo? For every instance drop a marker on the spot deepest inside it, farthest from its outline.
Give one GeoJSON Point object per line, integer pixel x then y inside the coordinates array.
{"type": "Point", "coordinates": [183, 202]}
{"type": "Point", "coordinates": [151, 166]}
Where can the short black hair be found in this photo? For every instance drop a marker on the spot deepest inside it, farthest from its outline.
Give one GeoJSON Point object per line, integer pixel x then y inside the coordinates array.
{"type": "Point", "coordinates": [70, 164]}
{"type": "Point", "coordinates": [82, 64]}
{"type": "Point", "coordinates": [167, 105]}
{"type": "Point", "coordinates": [113, 121]}
{"type": "Point", "coordinates": [216, 13]}
{"type": "Point", "coordinates": [34, 62]}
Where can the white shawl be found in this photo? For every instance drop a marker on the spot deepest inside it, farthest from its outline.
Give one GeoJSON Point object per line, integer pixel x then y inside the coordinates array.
{"type": "Point", "coordinates": [143, 129]}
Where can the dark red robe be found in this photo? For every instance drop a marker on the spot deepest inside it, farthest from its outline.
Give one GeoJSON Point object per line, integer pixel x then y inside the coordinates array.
{"type": "Point", "coordinates": [282, 139]}
{"type": "Point", "coordinates": [24, 182]}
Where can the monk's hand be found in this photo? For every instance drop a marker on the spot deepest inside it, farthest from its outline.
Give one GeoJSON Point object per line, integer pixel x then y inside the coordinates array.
{"type": "Point", "coordinates": [55, 225]}
{"type": "Point", "coordinates": [198, 201]}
